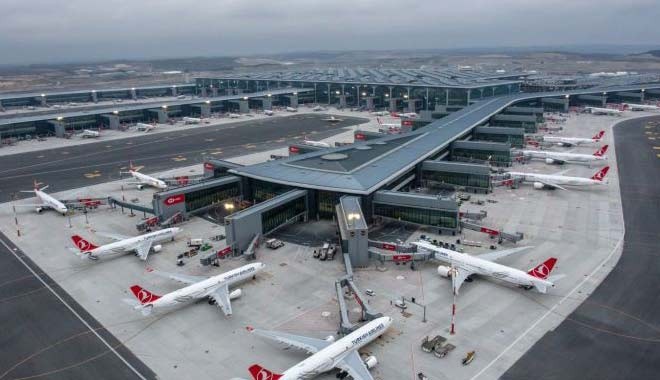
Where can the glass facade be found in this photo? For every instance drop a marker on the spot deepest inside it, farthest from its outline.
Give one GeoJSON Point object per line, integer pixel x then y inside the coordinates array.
{"type": "Point", "coordinates": [274, 218]}
{"type": "Point", "coordinates": [327, 202]}
{"type": "Point", "coordinates": [206, 197]}
{"type": "Point", "coordinates": [496, 157]}
{"type": "Point", "coordinates": [263, 191]}
{"type": "Point", "coordinates": [427, 217]}
{"type": "Point", "coordinates": [514, 140]}
{"type": "Point", "coordinates": [456, 179]}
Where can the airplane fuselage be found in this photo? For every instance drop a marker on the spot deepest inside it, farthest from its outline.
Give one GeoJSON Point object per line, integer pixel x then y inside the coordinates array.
{"type": "Point", "coordinates": [327, 359]}
{"type": "Point", "coordinates": [569, 141]}
{"type": "Point", "coordinates": [130, 244]}
{"type": "Point", "coordinates": [485, 268]}
{"type": "Point", "coordinates": [203, 288]}
{"type": "Point", "coordinates": [50, 202]}
{"type": "Point", "coordinates": [556, 179]}
{"type": "Point", "coordinates": [563, 157]}
{"type": "Point", "coordinates": [148, 180]}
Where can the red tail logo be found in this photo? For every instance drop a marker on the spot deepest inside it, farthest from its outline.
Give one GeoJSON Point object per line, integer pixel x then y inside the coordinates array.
{"type": "Point", "coordinates": [598, 135]}
{"type": "Point", "coordinates": [543, 270]}
{"type": "Point", "coordinates": [82, 244]}
{"type": "Point", "coordinates": [600, 152]}
{"type": "Point", "coordinates": [601, 174]}
{"type": "Point", "coordinates": [143, 295]}
{"type": "Point", "coordinates": [260, 373]}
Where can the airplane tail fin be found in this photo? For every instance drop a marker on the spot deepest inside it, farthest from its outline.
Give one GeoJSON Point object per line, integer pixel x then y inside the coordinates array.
{"type": "Point", "coordinates": [143, 295]}
{"type": "Point", "coordinates": [82, 244]}
{"type": "Point", "coordinates": [601, 174]}
{"type": "Point", "coordinates": [260, 373]}
{"type": "Point", "coordinates": [600, 152]}
{"type": "Point", "coordinates": [542, 271]}
{"type": "Point", "coordinates": [598, 135]}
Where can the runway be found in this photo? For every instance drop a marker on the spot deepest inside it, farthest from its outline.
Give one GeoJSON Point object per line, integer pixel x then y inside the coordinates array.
{"type": "Point", "coordinates": [46, 334]}
{"type": "Point", "coordinates": [88, 164]}
{"type": "Point", "coordinates": [615, 333]}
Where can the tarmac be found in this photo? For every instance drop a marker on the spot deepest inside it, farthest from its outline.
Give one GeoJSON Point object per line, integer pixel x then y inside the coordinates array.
{"type": "Point", "coordinates": [615, 333]}
{"type": "Point", "coordinates": [582, 228]}
{"type": "Point", "coordinates": [52, 336]}
{"type": "Point", "coordinates": [87, 164]}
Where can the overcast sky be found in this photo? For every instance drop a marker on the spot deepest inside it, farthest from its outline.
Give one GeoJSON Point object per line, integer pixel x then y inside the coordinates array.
{"type": "Point", "coordinates": [44, 31]}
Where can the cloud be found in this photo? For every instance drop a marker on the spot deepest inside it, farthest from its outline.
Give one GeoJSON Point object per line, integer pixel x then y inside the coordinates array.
{"type": "Point", "coordinates": [53, 31]}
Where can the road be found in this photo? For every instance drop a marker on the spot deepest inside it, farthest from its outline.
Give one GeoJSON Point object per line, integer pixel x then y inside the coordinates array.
{"type": "Point", "coordinates": [88, 164]}
{"type": "Point", "coordinates": [46, 334]}
{"type": "Point", "coordinates": [615, 333]}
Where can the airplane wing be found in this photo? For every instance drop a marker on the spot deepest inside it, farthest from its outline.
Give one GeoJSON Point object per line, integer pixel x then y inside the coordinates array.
{"type": "Point", "coordinates": [31, 205]}
{"type": "Point", "coordinates": [117, 237]}
{"type": "Point", "coordinates": [562, 172]}
{"type": "Point", "coordinates": [552, 184]}
{"type": "Point", "coordinates": [143, 249]}
{"type": "Point", "coordinates": [221, 298]}
{"type": "Point", "coordinates": [355, 367]}
{"type": "Point", "coordinates": [496, 255]}
{"type": "Point", "coordinates": [310, 345]}
{"type": "Point", "coordinates": [458, 278]}
{"type": "Point", "coordinates": [186, 279]}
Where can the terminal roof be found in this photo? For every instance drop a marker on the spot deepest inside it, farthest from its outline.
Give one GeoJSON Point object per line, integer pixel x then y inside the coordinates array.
{"type": "Point", "coordinates": [427, 77]}
{"type": "Point", "coordinates": [363, 168]}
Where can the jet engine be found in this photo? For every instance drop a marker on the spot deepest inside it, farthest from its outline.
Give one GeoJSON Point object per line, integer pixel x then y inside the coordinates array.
{"type": "Point", "coordinates": [542, 186]}
{"type": "Point", "coordinates": [235, 294]}
{"type": "Point", "coordinates": [444, 271]}
{"type": "Point", "coordinates": [140, 187]}
{"type": "Point", "coordinates": [157, 248]}
{"type": "Point", "coordinates": [553, 161]}
{"type": "Point", "coordinates": [370, 361]}
{"type": "Point", "coordinates": [329, 338]}
{"type": "Point", "coordinates": [39, 210]}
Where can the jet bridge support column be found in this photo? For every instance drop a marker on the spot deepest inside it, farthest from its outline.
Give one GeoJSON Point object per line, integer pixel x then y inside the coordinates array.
{"type": "Point", "coordinates": [293, 100]}
{"type": "Point", "coordinates": [133, 94]}
{"type": "Point", "coordinates": [345, 325]}
{"type": "Point", "coordinates": [393, 102]}
{"type": "Point", "coordinates": [95, 97]}
{"type": "Point", "coordinates": [342, 101]}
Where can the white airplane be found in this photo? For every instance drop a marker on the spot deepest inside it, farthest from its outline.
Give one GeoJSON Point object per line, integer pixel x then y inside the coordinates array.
{"type": "Point", "coordinates": [234, 115]}
{"type": "Point", "coordinates": [89, 134]}
{"type": "Point", "coordinates": [269, 112]}
{"type": "Point", "coordinates": [463, 266]}
{"type": "Point", "coordinates": [573, 141]}
{"type": "Point", "coordinates": [319, 144]}
{"type": "Point", "coordinates": [47, 201]}
{"type": "Point", "coordinates": [558, 181]}
{"type": "Point", "coordinates": [215, 288]}
{"type": "Point", "coordinates": [380, 113]}
{"type": "Point", "coordinates": [327, 353]}
{"type": "Point", "coordinates": [141, 245]}
{"type": "Point", "coordinates": [388, 125]}
{"type": "Point", "coordinates": [603, 111]}
{"type": "Point", "coordinates": [291, 109]}
{"type": "Point", "coordinates": [332, 119]}
{"type": "Point", "coordinates": [191, 120]}
{"type": "Point", "coordinates": [640, 107]}
{"type": "Point", "coordinates": [143, 127]}
{"type": "Point", "coordinates": [410, 115]}
{"type": "Point", "coordinates": [143, 179]}
{"type": "Point", "coordinates": [559, 158]}
{"type": "Point", "coordinates": [318, 108]}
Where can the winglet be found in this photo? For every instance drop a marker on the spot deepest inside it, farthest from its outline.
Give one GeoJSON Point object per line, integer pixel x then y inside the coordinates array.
{"type": "Point", "coordinates": [260, 373]}
{"type": "Point", "coordinates": [600, 152]}
{"type": "Point", "coordinates": [601, 174]}
{"type": "Point", "coordinates": [543, 270]}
